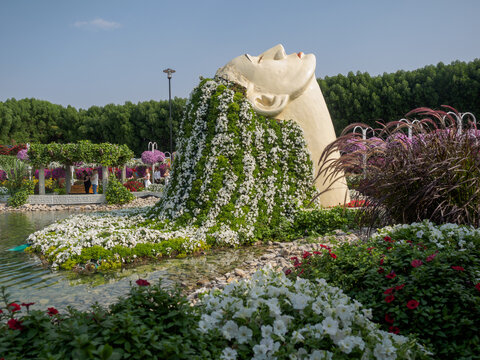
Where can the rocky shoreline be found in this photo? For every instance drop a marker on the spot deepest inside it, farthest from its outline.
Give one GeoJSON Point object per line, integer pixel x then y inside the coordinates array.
{"type": "Point", "coordinates": [277, 255]}
{"type": "Point", "coordinates": [138, 202]}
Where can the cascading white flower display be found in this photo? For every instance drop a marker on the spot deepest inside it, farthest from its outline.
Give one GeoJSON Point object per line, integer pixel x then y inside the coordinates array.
{"type": "Point", "coordinates": [236, 175]}
{"type": "Point", "coordinates": [272, 317]}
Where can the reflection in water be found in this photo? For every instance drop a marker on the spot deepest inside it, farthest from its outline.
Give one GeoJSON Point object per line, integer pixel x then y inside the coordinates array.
{"type": "Point", "coordinates": [28, 281]}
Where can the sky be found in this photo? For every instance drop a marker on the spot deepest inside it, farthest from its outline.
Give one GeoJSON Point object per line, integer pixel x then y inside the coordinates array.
{"type": "Point", "coordinates": [96, 52]}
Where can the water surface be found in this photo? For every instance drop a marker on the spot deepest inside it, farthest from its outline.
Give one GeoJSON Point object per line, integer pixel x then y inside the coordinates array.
{"type": "Point", "coordinates": [27, 280]}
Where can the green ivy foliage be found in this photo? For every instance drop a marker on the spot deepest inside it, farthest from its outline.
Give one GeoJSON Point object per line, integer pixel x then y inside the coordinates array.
{"type": "Point", "coordinates": [84, 151]}
{"type": "Point", "coordinates": [117, 193]}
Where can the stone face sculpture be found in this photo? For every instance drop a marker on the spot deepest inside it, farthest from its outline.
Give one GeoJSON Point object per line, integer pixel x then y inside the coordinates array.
{"type": "Point", "coordinates": [284, 87]}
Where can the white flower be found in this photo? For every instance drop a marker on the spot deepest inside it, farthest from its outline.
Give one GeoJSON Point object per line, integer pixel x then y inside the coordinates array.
{"type": "Point", "coordinates": [229, 354]}
{"type": "Point", "coordinates": [230, 330]}
{"type": "Point", "coordinates": [244, 334]}
{"type": "Point", "coordinates": [297, 337]}
{"type": "Point", "coordinates": [330, 326]}
{"type": "Point", "coordinates": [279, 328]}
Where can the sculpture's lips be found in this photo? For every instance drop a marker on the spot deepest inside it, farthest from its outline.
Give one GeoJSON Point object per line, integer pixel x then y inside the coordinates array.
{"type": "Point", "coordinates": [300, 54]}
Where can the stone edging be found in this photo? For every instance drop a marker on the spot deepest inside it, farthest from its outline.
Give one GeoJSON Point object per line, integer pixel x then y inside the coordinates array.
{"type": "Point", "coordinates": [277, 256]}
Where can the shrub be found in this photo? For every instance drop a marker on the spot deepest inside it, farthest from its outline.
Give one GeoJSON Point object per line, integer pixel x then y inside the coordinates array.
{"type": "Point", "coordinates": [117, 193]}
{"type": "Point", "coordinates": [420, 284]}
{"type": "Point", "coordinates": [322, 221]}
{"type": "Point", "coordinates": [433, 175]}
{"type": "Point", "coordinates": [18, 199]}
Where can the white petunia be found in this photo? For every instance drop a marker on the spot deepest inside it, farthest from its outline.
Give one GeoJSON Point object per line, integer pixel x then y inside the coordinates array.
{"type": "Point", "coordinates": [229, 354]}
{"type": "Point", "coordinates": [330, 326]}
{"type": "Point", "coordinates": [230, 330]}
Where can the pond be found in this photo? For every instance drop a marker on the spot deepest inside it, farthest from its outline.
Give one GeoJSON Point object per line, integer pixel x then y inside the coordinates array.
{"type": "Point", "coordinates": [27, 280]}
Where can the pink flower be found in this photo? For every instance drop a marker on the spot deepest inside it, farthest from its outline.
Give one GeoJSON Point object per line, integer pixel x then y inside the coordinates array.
{"type": "Point", "coordinates": [380, 270]}
{"type": "Point", "coordinates": [306, 254]}
{"type": "Point", "coordinates": [416, 263]}
{"type": "Point", "coordinates": [477, 286]}
{"type": "Point", "coordinates": [27, 305]}
{"type": "Point", "coordinates": [412, 304]}
{"type": "Point", "coordinates": [388, 291]}
{"type": "Point", "coordinates": [333, 255]}
{"type": "Point", "coordinates": [381, 261]}
{"type": "Point", "coordinates": [458, 268]}
{"type": "Point", "coordinates": [142, 282]}
{"type": "Point", "coordinates": [288, 271]}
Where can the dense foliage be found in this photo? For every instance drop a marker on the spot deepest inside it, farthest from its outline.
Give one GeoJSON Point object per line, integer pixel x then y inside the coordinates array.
{"type": "Point", "coordinates": [266, 317]}
{"type": "Point", "coordinates": [116, 193]}
{"type": "Point", "coordinates": [83, 151]}
{"type": "Point", "coordinates": [418, 279]}
{"type": "Point", "coordinates": [433, 174]}
{"type": "Point", "coordinates": [363, 98]}
{"type": "Point", "coordinates": [134, 125]}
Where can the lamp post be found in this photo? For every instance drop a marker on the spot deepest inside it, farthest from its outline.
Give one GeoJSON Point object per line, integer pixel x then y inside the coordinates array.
{"type": "Point", "coordinates": [169, 73]}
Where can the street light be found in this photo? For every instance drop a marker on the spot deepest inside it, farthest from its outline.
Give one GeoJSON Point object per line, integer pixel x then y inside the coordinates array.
{"type": "Point", "coordinates": [169, 73]}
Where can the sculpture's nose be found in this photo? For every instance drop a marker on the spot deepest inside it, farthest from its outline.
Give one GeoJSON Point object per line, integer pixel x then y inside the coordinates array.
{"type": "Point", "coordinates": [275, 53]}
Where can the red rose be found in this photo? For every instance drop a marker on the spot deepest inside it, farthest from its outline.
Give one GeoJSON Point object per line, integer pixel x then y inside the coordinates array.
{"type": "Point", "coordinates": [14, 307]}
{"type": "Point", "coordinates": [380, 270]}
{"type": "Point", "coordinates": [306, 254]}
{"type": "Point", "coordinates": [458, 268]}
{"type": "Point", "coordinates": [52, 311]}
{"type": "Point", "coordinates": [412, 304]}
{"type": "Point", "coordinates": [399, 287]}
{"type": "Point", "coordinates": [333, 255]}
{"type": "Point", "coordinates": [14, 324]}
{"type": "Point", "coordinates": [389, 298]}
{"type": "Point", "coordinates": [416, 263]}
{"type": "Point", "coordinates": [392, 275]}
{"type": "Point", "coordinates": [477, 286]}
{"type": "Point", "coordinates": [389, 319]}
{"type": "Point", "coordinates": [394, 329]}
{"type": "Point", "coordinates": [388, 291]}
{"type": "Point", "coordinates": [142, 282]}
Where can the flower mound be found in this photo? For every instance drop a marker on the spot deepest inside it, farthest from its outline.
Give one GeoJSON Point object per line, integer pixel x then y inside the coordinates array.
{"type": "Point", "coordinates": [270, 316]}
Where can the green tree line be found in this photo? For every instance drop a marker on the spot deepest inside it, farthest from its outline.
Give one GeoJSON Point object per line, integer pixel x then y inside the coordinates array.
{"type": "Point", "coordinates": [353, 98]}
{"type": "Point", "coordinates": [363, 98]}
{"type": "Point", "coordinates": [32, 120]}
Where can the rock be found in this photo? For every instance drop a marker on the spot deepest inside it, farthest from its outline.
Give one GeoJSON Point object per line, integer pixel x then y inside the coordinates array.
{"type": "Point", "coordinates": [240, 272]}
{"type": "Point", "coordinates": [203, 282]}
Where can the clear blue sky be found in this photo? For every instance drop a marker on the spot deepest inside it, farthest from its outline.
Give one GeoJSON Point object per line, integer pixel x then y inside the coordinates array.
{"type": "Point", "coordinates": [95, 52]}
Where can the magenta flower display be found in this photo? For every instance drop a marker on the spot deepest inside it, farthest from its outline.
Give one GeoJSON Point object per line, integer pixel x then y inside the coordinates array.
{"type": "Point", "coordinates": [150, 158]}
{"type": "Point", "coordinates": [22, 155]}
